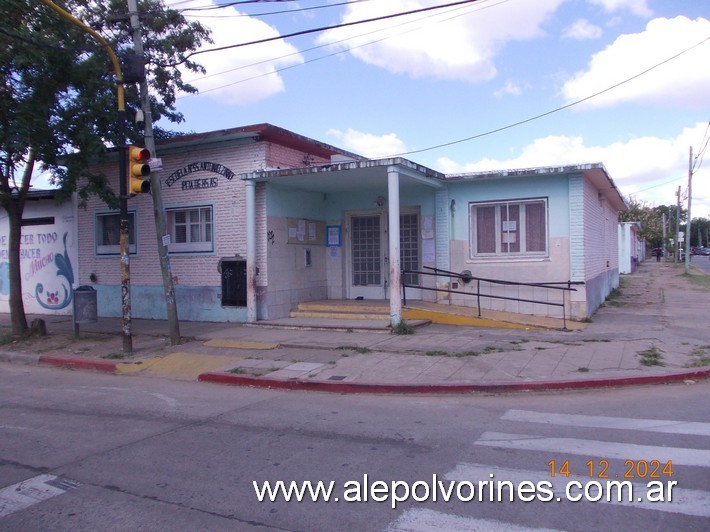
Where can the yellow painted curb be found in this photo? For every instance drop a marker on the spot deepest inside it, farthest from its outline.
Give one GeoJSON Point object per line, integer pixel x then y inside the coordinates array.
{"type": "Point", "coordinates": [239, 344]}
{"type": "Point", "coordinates": [454, 319]}
{"type": "Point", "coordinates": [135, 367]}
{"type": "Point", "coordinates": [190, 365]}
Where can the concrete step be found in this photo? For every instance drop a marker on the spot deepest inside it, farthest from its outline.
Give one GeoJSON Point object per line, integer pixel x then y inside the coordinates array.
{"type": "Point", "coordinates": [338, 315]}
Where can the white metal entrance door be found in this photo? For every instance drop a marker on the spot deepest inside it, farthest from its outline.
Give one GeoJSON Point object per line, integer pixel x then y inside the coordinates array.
{"type": "Point", "coordinates": [409, 253]}
{"type": "Point", "coordinates": [367, 251]}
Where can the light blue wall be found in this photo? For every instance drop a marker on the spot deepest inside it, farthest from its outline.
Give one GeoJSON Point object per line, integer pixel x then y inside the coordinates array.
{"type": "Point", "coordinates": [290, 203]}
{"type": "Point", "coordinates": [555, 188]}
{"type": "Point", "coordinates": [194, 303]}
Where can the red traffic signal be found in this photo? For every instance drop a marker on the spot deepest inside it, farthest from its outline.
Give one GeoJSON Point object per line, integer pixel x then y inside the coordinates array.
{"type": "Point", "coordinates": [138, 170]}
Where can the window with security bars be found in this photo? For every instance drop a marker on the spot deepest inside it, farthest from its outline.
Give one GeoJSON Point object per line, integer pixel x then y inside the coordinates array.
{"type": "Point", "coordinates": [366, 251]}
{"type": "Point", "coordinates": [509, 229]}
{"type": "Point", "coordinates": [409, 247]}
{"type": "Point", "coordinates": [108, 230]}
{"type": "Point", "coordinates": [190, 229]}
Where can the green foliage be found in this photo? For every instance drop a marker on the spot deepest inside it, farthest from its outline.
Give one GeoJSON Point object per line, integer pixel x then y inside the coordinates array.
{"type": "Point", "coordinates": [59, 99]}
{"type": "Point", "coordinates": [403, 328]}
{"type": "Point", "coordinates": [58, 88]}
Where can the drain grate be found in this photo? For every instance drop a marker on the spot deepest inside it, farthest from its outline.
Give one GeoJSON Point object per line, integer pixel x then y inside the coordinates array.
{"type": "Point", "coordinates": [337, 378]}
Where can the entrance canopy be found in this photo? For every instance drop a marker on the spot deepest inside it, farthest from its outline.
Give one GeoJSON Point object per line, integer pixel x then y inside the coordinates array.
{"type": "Point", "coordinates": [350, 175]}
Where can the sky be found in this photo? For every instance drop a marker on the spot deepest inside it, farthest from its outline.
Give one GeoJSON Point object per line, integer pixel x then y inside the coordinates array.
{"type": "Point", "coordinates": [481, 86]}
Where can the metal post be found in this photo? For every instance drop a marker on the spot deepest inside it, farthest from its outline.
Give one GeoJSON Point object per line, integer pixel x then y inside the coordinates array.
{"type": "Point", "coordinates": [687, 223]}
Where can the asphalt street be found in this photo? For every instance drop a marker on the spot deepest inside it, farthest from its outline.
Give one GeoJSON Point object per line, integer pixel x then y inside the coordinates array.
{"type": "Point", "coordinates": [89, 451]}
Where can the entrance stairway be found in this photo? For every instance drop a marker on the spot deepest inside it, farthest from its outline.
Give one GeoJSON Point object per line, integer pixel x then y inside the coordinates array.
{"type": "Point", "coordinates": [374, 315]}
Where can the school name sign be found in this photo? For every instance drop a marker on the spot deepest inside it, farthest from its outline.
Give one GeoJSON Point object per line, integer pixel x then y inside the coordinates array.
{"type": "Point", "coordinates": [204, 182]}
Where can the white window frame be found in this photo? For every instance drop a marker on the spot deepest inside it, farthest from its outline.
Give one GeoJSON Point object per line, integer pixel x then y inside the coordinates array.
{"type": "Point", "coordinates": [206, 243]}
{"type": "Point", "coordinates": [500, 252]}
{"type": "Point", "coordinates": [103, 249]}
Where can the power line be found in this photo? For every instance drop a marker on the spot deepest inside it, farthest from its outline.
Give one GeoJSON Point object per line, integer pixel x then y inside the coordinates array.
{"type": "Point", "coordinates": [232, 4]}
{"type": "Point", "coordinates": [547, 113]}
{"type": "Point", "coordinates": [276, 71]}
{"type": "Point", "coordinates": [325, 28]}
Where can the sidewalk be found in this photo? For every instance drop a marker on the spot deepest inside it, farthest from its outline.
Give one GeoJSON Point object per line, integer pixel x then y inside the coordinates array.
{"type": "Point", "coordinates": [654, 330]}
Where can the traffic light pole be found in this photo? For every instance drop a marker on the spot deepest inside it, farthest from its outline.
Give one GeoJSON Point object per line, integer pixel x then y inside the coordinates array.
{"type": "Point", "coordinates": [123, 236]}
{"type": "Point", "coordinates": [156, 193]}
{"type": "Point", "coordinates": [122, 170]}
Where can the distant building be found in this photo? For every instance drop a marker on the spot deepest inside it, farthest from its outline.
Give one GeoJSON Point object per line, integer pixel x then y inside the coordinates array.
{"type": "Point", "coordinates": [631, 247]}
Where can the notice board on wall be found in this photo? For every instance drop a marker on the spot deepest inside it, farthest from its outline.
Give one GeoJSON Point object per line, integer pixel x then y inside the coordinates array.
{"type": "Point", "coordinates": [302, 231]}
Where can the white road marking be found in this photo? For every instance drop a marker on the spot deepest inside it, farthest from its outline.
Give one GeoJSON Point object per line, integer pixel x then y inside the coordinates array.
{"type": "Point", "coordinates": [423, 520]}
{"type": "Point", "coordinates": [685, 501]}
{"type": "Point", "coordinates": [692, 428]}
{"type": "Point", "coordinates": [32, 491]}
{"type": "Point", "coordinates": [596, 448]}
{"type": "Point", "coordinates": [171, 402]}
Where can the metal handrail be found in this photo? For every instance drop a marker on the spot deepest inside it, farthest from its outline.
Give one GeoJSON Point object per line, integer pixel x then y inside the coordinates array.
{"type": "Point", "coordinates": [466, 278]}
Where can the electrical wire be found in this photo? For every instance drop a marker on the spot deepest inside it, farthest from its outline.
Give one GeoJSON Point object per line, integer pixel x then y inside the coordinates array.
{"type": "Point", "coordinates": [326, 28]}
{"type": "Point", "coordinates": [470, 9]}
{"type": "Point", "coordinates": [558, 109]}
{"type": "Point", "coordinates": [265, 14]}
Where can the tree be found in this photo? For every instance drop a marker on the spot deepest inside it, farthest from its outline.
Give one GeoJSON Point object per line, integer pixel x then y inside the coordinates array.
{"type": "Point", "coordinates": [651, 219]}
{"type": "Point", "coordinates": [58, 99]}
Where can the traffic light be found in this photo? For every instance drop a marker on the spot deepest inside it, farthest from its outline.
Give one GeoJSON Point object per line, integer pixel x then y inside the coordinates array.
{"type": "Point", "coordinates": [138, 170]}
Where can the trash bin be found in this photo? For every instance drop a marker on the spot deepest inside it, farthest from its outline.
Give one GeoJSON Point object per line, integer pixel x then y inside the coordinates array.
{"type": "Point", "coordinates": [85, 308]}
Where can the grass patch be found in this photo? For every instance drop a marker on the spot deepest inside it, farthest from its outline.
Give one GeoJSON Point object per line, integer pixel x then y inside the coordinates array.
{"type": "Point", "coordinates": [464, 354]}
{"type": "Point", "coordinates": [238, 371]}
{"type": "Point", "coordinates": [651, 357]}
{"type": "Point", "coordinates": [702, 281]}
{"type": "Point", "coordinates": [355, 348]}
{"type": "Point", "coordinates": [403, 328]}
{"type": "Point", "coordinates": [114, 356]}
{"type": "Point", "coordinates": [701, 357]}
{"type": "Point", "coordinates": [583, 370]}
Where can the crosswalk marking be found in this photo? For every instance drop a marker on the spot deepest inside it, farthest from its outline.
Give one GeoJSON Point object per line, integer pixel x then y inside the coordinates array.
{"type": "Point", "coordinates": [32, 491]}
{"type": "Point", "coordinates": [424, 520]}
{"type": "Point", "coordinates": [685, 501]}
{"type": "Point", "coordinates": [605, 422]}
{"type": "Point", "coordinates": [596, 448]}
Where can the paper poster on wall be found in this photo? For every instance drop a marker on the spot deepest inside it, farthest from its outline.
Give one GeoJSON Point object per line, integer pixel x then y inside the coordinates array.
{"type": "Point", "coordinates": [427, 227]}
{"type": "Point", "coordinates": [302, 231]}
{"type": "Point", "coordinates": [428, 251]}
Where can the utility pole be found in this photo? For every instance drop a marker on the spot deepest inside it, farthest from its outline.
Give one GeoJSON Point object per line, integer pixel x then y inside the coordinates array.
{"type": "Point", "coordinates": [663, 242]}
{"type": "Point", "coordinates": [687, 225]}
{"type": "Point", "coordinates": [676, 248]}
{"type": "Point", "coordinates": [156, 193]}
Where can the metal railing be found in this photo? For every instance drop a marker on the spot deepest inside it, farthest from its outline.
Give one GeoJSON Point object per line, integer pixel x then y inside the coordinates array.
{"type": "Point", "coordinates": [465, 277]}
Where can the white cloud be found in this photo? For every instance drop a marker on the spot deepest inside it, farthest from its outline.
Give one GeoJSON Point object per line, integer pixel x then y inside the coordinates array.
{"type": "Point", "coordinates": [512, 88]}
{"type": "Point", "coordinates": [241, 75]}
{"type": "Point", "coordinates": [681, 82]}
{"type": "Point", "coordinates": [582, 30]}
{"type": "Point", "coordinates": [649, 168]}
{"type": "Point", "coordinates": [637, 7]}
{"type": "Point", "coordinates": [367, 144]}
{"type": "Point", "coordinates": [458, 43]}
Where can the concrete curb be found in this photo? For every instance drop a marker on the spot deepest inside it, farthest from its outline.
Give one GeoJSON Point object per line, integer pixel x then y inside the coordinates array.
{"type": "Point", "coordinates": [78, 363]}
{"type": "Point", "coordinates": [19, 358]}
{"type": "Point", "coordinates": [364, 387]}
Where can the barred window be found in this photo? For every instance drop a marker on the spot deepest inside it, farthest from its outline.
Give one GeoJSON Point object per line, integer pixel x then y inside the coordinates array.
{"type": "Point", "coordinates": [107, 233]}
{"type": "Point", "coordinates": [508, 228]}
